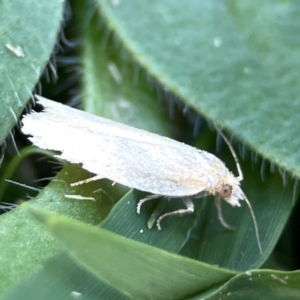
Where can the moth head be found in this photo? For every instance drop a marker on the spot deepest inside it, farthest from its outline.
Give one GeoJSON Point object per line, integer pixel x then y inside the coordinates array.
{"type": "Point", "coordinates": [231, 192]}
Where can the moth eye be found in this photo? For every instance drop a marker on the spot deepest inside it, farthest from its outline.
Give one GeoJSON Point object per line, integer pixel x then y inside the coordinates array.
{"type": "Point", "coordinates": [226, 191]}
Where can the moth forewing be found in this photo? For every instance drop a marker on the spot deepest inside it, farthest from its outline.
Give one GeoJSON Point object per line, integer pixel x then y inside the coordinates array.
{"type": "Point", "coordinates": [116, 153]}
{"type": "Point", "coordinates": [133, 157]}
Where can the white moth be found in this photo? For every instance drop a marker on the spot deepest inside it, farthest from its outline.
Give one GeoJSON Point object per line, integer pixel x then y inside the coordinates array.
{"type": "Point", "coordinates": [135, 158]}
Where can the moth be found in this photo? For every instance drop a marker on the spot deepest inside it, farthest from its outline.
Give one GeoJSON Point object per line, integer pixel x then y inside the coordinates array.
{"type": "Point", "coordinates": [135, 158]}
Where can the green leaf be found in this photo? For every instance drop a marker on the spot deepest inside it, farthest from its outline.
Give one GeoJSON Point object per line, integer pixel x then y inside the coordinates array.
{"type": "Point", "coordinates": [31, 25]}
{"type": "Point", "coordinates": [261, 284]}
{"type": "Point", "coordinates": [61, 277]}
{"type": "Point", "coordinates": [109, 87]}
{"type": "Point", "coordinates": [25, 246]}
{"type": "Point", "coordinates": [234, 62]}
{"type": "Point", "coordinates": [133, 268]}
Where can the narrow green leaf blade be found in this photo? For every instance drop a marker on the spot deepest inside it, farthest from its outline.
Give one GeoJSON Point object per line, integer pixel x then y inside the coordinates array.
{"type": "Point", "coordinates": [137, 270]}
{"type": "Point", "coordinates": [62, 278]}
{"type": "Point", "coordinates": [261, 284]}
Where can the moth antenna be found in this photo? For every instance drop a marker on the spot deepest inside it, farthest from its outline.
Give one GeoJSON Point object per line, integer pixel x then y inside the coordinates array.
{"type": "Point", "coordinates": [240, 177]}
{"type": "Point", "coordinates": [255, 224]}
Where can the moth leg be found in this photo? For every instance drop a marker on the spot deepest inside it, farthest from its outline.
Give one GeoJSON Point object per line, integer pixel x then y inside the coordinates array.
{"type": "Point", "coordinates": [220, 215]}
{"type": "Point", "coordinates": [142, 201]}
{"type": "Point", "coordinates": [184, 211]}
{"type": "Point", "coordinates": [94, 178]}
